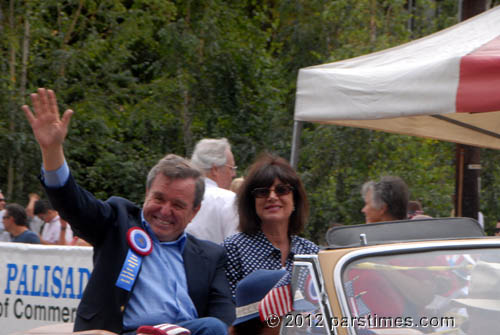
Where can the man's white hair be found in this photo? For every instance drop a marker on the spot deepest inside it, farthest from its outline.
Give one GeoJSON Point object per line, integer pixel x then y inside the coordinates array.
{"type": "Point", "coordinates": [210, 152]}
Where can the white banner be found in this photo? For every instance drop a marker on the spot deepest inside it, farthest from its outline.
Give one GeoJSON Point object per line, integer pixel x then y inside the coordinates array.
{"type": "Point", "coordinates": [40, 285]}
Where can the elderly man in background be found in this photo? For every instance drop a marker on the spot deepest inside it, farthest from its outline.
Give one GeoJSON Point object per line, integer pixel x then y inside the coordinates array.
{"type": "Point", "coordinates": [385, 200]}
{"type": "Point", "coordinates": [217, 218]}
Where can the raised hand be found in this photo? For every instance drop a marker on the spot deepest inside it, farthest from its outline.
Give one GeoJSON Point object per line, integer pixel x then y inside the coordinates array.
{"type": "Point", "coordinates": [49, 129]}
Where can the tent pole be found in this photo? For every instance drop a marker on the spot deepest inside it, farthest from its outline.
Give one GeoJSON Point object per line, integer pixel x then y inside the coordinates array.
{"type": "Point", "coordinates": [297, 130]}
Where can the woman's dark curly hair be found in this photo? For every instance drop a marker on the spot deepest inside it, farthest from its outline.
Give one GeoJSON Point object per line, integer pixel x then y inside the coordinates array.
{"type": "Point", "coordinates": [262, 173]}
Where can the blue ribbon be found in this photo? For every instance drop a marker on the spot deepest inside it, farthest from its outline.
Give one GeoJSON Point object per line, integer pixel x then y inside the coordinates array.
{"type": "Point", "coordinates": [129, 271]}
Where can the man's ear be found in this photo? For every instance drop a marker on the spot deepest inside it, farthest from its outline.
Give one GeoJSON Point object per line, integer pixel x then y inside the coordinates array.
{"type": "Point", "coordinates": [195, 211]}
{"type": "Point", "coordinates": [214, 172]}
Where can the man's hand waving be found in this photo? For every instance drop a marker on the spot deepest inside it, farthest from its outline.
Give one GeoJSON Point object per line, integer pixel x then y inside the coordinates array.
{"type": "Point", "coordinates": [49, 129]}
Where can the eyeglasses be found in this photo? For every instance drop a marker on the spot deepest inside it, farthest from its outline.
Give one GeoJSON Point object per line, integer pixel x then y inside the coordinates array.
{"type": "Point", "coordinates": [232, 167]}
{"type": "Point", "coordinates": [279, 190]}
{"type": "Point", "coordinates": [7, 216]}
{"type": "Point", "coordinates": [3, 199]}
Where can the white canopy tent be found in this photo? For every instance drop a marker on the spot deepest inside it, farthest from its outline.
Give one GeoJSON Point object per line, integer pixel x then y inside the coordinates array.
{"type": "Point", "coordinates": [445, 86]}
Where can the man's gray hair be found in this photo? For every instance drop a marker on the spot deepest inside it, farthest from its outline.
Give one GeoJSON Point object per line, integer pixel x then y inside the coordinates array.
{"type": "Point", "coordinates": [175, 167]}
{"type": "Point", "coordinates": [210, 152]}
{"type": "Point", "coordinates": [391, 191]}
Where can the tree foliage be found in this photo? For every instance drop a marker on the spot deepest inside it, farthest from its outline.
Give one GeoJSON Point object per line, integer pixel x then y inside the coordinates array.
{"type": "Point", "coordinates": [150, 77]}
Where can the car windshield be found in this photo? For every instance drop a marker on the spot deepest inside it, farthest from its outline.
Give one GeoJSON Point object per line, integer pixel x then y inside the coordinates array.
{"type": "Point", "coordinates": [445, 292]}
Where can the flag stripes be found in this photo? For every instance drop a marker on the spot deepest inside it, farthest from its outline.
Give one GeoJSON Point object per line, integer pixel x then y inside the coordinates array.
{"type": "Point", "coordinates": [277, 302]}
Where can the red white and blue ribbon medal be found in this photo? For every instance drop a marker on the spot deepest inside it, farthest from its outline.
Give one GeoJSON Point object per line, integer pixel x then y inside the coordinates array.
{"type": "Point", "coordinates": [139, 241]}
{"type": "Point", "coordinates": [140, 245]}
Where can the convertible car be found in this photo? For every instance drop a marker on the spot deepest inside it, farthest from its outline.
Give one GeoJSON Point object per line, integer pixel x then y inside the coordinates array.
{"type": "Point", "coordinates": [429, 276]}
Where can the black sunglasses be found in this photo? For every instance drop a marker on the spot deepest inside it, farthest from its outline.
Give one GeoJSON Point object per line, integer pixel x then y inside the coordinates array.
{"type": "Point", "coordinates": [3, 199]}
{"type": "Point", "coordinates": [497, 230]}
{"type": "Point", "coordinates": [279, 190]}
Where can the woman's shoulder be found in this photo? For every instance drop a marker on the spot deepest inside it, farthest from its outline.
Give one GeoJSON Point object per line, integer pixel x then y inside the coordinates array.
{"type": "Point", "coordinates": [235, 245]}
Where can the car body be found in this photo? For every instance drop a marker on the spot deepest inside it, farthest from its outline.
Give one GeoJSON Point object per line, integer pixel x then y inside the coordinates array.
{"type": "Point", "coordinates": [402, 277]}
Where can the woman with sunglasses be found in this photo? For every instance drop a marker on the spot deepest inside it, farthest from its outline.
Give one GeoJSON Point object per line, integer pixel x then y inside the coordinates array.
{"type": "Point", "coordinates": [273, 209]}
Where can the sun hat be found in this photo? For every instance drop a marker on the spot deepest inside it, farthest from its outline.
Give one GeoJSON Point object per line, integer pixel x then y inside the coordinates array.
{"type": "Point", "coordinates": [250, 291]}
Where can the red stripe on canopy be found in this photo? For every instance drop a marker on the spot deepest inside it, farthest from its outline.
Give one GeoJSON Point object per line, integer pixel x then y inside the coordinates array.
{"type": "Point", "coordinates": [479, 84]}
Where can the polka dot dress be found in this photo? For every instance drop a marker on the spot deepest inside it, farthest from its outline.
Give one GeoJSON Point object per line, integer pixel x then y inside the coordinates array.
{"type": "Point", "coordinates": [247, 253]}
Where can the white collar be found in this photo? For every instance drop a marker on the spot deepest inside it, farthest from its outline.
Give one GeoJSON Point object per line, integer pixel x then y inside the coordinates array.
{"type": "Point", "coordinates": [210, 182]}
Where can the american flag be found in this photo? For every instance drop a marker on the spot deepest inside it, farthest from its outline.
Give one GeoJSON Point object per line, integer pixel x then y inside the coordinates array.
{"type": "Point", "coordinates": [278, 301]}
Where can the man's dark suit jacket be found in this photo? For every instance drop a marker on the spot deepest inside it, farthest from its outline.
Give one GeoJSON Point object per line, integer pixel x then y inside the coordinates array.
{"type": "Point", "coordinates": [104, 224]}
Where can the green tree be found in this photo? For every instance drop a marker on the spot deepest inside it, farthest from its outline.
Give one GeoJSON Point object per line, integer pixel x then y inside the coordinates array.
{"type": "Point", "coordinates": [150, 77]}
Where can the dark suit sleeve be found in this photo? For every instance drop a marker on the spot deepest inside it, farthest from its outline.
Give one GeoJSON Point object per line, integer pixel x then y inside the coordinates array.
{"type": "Point", "coordinates": [220, 303]}
{"type": "Point", "coordinates": [89, 217]}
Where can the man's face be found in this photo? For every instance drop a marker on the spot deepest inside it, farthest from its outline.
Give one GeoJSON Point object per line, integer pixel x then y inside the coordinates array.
{"type": "Point", "coordinates": [48, 215]}
{"type": "Point", "coordinates": [168, 207]}
{"type": "Point", "coordinates": [372, 214]}
{"type": "Point", "coordinates": [2, 201]}
{"type": "Point", "coordinates": [226, 172]}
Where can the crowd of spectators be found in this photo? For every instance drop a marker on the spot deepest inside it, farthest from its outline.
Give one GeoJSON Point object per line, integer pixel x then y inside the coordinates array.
{"type": "Point", "coordinates": [37, 223]}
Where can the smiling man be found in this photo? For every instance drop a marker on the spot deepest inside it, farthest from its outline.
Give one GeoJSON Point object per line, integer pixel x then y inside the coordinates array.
{"type": "Point", "coordinates": [147, 270]}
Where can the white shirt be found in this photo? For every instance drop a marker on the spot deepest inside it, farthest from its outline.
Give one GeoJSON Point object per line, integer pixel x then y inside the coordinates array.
{"type": "Point", "coordinates": [218, 217]}
{"type": "Point", "coordinates": [51, 231]}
